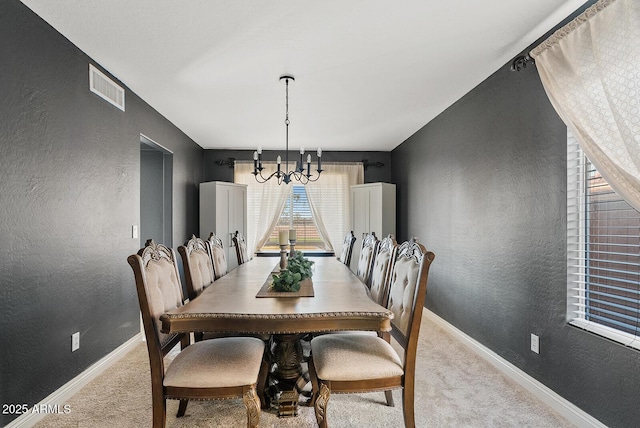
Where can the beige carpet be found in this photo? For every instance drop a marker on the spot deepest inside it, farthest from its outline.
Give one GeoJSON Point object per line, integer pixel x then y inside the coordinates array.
{"type": "Point", "coordinates": [454, 388]}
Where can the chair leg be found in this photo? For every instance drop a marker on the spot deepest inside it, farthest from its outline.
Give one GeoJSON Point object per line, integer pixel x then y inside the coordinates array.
{"type": "Point", "coordinates": [252, 403]}
{"type": "Point", "coordinates": [407, 407]}
{"type": "Point", "coordinates": [314, 381]}
{"type": "Point", "coordinates": [182, 408]}
{"type": "Point", "coordinates": [159, 411]}
{"type": "Point", "coordinates": [322, 400]}
{"type": "Point", "coordinates": [262, 383]}
{"type": "Point", "coordinates": [389, 396]}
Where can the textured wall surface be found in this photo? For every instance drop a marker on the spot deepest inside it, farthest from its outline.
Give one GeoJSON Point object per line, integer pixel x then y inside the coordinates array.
{"type": "Point", "coordinates": [484, 186]}
{"type": "Point", "coordinates": [69, 194]}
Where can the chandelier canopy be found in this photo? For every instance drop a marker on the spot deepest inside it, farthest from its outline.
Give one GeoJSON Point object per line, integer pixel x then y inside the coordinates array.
{"type": "Point", "coordinates": [286, 176]}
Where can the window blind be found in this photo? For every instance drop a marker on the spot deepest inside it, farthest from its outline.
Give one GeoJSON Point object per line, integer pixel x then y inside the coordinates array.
{"type": "Point", "coordinates": [297, 215]}
{"type": "Point", "coordinates": [603, 253]}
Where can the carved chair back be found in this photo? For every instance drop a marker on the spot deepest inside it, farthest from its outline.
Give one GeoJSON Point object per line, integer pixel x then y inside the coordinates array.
{"type": "Point", "coordinates": [407, 292]}
{"type": "Point", "coordinates": [241, 247]}
{"type": "Point", "coordinates": [367, 256]}
{"type": "Point", "coordinates": [347, 248]}
{"type": "Point", "coordinates": [216, 248]}
{"type": "Point", "coordinates": [159, 290]}
{"type": "Point", "coordinates": [379, 287]}
{"type": "Point", "coordinates": [198, 268]}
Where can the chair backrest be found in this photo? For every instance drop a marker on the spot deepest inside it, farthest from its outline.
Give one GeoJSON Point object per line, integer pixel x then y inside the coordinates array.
{"type": "Point", "coordinates": [159, 290]}
{"type": "Point", "coordinates": [198, 267]}
{"type": "Point", "coordinates": [347, 248]}
{"type": "Point", "coordinates": [367, 256]}
{"type": "Point", "coordinates": [218, 257]}
{"type": "Point", "coordinates": [407, 292]}
{"type": "Point", "coordinates": [241, 247]}
{"type": "Point", "coordinates": [379, 287]}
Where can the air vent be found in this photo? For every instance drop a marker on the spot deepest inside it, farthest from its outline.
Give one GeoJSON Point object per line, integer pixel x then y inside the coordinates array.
{"type": "Point", "coordinates": [105, 88]}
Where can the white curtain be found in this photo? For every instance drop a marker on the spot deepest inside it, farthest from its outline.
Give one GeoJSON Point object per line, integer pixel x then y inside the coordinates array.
{"type": "Point", "coordinates": [265, 202]}
{"type": "Point", "coordinates": [590, 70]}
{"type": "Point", "coordinates": [329, 199]}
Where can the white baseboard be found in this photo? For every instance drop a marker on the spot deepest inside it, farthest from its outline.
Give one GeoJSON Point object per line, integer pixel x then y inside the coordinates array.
{"type": "Point", "coordinates": [66, 391]}
{"type": "Point", "coordinates": [567, 409]}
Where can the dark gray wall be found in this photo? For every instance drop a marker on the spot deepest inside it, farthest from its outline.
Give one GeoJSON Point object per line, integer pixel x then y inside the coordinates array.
{"type": "Point", "coordinates": [152, 196]}
{"type": "Point", "coordinates": [213, 171]}
{"type": "Point", "coordinates": [69, 194]}
{"type": "Point", "coordinates": [484, 186]}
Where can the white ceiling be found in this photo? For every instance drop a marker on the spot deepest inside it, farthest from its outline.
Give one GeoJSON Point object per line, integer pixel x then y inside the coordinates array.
{"type": "Point", "coordinates": [369, 73]}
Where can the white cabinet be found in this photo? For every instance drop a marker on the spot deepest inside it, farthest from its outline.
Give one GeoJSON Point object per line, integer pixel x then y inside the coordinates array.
{"type": "Point", "coordinates": [223, 210]}
{"type": "Point", "coordinates": [373, 209]}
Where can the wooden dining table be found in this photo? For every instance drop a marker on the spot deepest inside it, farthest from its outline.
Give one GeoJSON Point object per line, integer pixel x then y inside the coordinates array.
{"type": "Point", "coordinates": [340, 302]}
{"type": "Point", "coordinates": [230, 305]}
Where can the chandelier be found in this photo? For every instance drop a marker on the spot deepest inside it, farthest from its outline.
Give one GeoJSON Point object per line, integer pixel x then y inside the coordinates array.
{"type": "Point", "coordinates": [285, 175]}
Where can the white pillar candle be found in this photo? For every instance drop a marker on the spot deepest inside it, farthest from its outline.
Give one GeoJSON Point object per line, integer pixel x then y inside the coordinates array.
{"type": "Point", "coordinates": [292, 234]}
{"type": "Point", "coordinates": [283, 237]}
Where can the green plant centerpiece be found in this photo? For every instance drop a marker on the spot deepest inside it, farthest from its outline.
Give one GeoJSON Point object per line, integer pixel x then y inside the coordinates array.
{"type": "Point", "coordinates": [298, 269]}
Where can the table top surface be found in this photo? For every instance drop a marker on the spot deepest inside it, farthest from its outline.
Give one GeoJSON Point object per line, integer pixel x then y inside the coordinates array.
{"type": "Point", "coordinates": [341, 301]}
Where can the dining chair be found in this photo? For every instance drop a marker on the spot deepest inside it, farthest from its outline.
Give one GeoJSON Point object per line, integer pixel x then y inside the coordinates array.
{"type": "Point", "coordinates": [241, 247]}
{"type": "Point", "coordinates": [367, 256]}
{"type": "Point", "coordinates": [219, 263]}
{"type": "Point", "coordinates": [385, 254]}
{"type": "Point", "coordinates": [351, 363]}
{"type": "Point", "coordinates": [198, 267]}
{"type": "Point", "coordinates": [218, 257]}
{"type": "Point", "coordinates": [223, 368]}
{"type": "Point", "coordinates": [347, 248]}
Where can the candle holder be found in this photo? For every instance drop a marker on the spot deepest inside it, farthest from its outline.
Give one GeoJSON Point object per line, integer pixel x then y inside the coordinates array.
{"type": "Point", "coordinates": [283, 256]}
{"type": "Point", "coordinates": [292, 248]}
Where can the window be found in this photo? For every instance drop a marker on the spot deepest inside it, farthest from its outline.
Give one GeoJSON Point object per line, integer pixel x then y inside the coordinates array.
{"type": "Point", "coordinates": [328, 199]}
{"type": "Point", "coordinates": [297, 215]}
{"type": "Point", "coordinates": [603, 254]}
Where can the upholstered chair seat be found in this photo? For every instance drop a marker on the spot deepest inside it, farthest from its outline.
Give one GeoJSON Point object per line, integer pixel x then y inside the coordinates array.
{"type": "Point", "coordinates": [220, 363]}
{"type": "Point", "coordinates": [340, 357]}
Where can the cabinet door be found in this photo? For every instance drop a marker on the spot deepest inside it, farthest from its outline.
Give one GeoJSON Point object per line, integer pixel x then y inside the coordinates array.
{"type": "Point", "coordinates": [235, 219]}
{"type": "Point", "coordinates": [222, 224]}
{"type": "Point", "coordinates": [375, 211]}
{"type": "Point", "coordinates": [360, 220]}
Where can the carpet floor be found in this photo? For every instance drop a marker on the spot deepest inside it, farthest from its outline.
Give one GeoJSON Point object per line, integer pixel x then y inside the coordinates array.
{"type": "Point", "coordinates": [454, 388]}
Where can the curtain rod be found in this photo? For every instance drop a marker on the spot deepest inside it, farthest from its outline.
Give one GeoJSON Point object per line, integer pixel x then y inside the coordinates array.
{"type": "Point", "coordinates": [521, 61]}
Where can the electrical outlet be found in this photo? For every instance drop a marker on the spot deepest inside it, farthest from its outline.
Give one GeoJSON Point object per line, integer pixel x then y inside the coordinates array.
{"type": "Point", "coordinates": [75, 341]}
{"type": "Point", "coordinates": [535, 343]}
{"type": "Point", "coordinates": [134, 231]}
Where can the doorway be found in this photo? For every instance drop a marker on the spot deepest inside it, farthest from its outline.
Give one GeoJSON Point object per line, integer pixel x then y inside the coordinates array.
{"type": "Point", "coordinates": [156, 193]}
